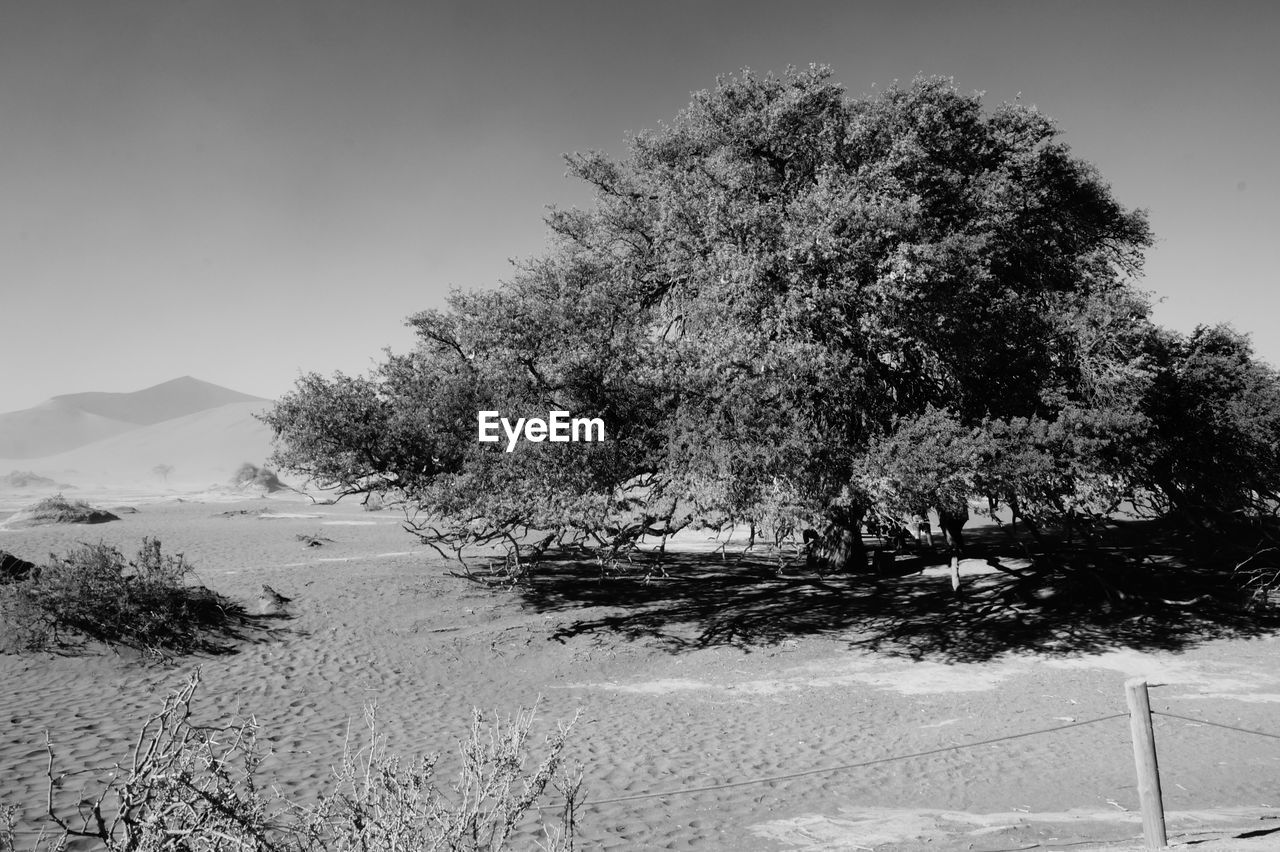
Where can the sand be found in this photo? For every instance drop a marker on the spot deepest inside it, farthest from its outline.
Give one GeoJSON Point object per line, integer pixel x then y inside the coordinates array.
{"type": "Point", "coordinates": [669, 697]}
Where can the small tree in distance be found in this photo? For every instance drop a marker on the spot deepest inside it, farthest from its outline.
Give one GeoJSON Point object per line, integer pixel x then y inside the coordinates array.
{"type": "Point", "coordinates": [163, 471]}
{"type": "Point", "coordinates": [793, 308]}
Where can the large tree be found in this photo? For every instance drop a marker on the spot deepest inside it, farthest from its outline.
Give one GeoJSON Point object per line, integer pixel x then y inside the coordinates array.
{"type": "Point", "coordinates": [773, 304]}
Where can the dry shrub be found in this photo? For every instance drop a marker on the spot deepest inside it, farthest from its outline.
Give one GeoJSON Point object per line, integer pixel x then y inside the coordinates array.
{"type": "Point", "coordinates": [381, 804]}
{"type": "Point", "coordinates": [8, 824]}
{"type": "Point", "coordinates": [95, 593]}
{"type": "Point", "coordinates": [1259, 572]}
{"type": "Point", "coordinates": [59, 510]}
{"type": "Point", "coordinates": [194, 788]}
{"type": "Point", "coordinates": [249, 475]}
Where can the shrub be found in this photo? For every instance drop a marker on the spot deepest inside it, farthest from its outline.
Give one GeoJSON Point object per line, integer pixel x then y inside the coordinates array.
{"type": "Point", "coordinates": [59, 510]}
{"type": "Point", "coordinates": [95, 593]}
{"type": "Point", "coordinates": [195, 787]}
{"type": "Point", "coordinates": [249, 475]}
{"type": "Point", "coordinates": [379, 803]}
{"type": "Point", "coordinates": [8, 821]}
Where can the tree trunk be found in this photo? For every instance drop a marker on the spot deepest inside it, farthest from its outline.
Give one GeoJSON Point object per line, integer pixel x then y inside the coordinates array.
{"type": "Point", "coordinates": [839, 548]}
{"type": "Point", "coordinates": [952, 524]}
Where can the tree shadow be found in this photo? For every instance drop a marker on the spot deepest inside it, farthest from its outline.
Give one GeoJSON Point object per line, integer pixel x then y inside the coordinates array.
{"type": "Point", "coordinates": [1122, 598]}
{"type": "Point", "coordinates": [242, 629]}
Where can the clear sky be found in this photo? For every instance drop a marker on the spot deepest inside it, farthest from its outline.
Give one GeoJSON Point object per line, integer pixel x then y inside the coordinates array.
{"type": "Point", "coordinates": [243, 190]}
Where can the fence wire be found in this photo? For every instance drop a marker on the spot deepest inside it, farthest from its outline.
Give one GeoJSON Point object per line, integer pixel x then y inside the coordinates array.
{"type": "Point", "coordinates": [862, 764]}
{"type": "Point", "coordinates": [1216, 724]}
{"type": "Point", "coordinates": [822, 770]}
{"type": "Point", "coordinates": [771, 779]}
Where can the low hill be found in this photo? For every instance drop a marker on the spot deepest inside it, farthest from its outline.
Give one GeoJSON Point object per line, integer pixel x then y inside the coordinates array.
{"type": "Point", "coordinates": [52, 427]}
{"type": "Point", "coordinates": [26, 479]}
{"type": "Point", "coordinates": [165, 401]}
{"type": "Point", "coordinates": [200, 449]}
{"type": "Point", "coordinates": [69, 421]}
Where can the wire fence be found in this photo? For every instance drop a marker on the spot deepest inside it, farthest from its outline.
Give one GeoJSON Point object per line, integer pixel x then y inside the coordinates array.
{"type": "Point", "coordinates": [842, 767]}
{"type": "Point", "coordinates": [1216, 724]}
{"type": "Point", "coordinates": [823, 770]}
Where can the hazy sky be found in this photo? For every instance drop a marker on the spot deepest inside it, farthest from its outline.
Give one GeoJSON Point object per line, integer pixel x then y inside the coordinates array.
{"type": "Point", "coordinates": [243, 191]}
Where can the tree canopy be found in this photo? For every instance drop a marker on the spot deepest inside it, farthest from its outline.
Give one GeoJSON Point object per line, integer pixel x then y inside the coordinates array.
{"type": "Point", "coordinates": [793, 308]}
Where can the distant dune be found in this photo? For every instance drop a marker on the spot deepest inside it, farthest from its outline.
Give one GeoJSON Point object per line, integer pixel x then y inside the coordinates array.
{"type": "Point", "coordinates": [165, 401]}
{"type": "Point", "coordinates": [201, 449]}
{"type": "Point", "coordinates": [26, 479]}
{"type": "Point", "coordinates": [177, 434]}
{"type": "Point", "coordinates": [52, 427]}
{"type": "Point", "coordinates": [75, 420]}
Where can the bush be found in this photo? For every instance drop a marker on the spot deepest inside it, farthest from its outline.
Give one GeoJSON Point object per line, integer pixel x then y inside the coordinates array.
{"type": "Point", "coordinates": [249, 475]}
{"type": "Point", "coordinates": [194, 787]}
{"type": "Point", "coordinates": [380, 804]}
{"type": "Point", "coordinates": [95, 593]}
{"type": "Point", "coordinates": [59, 510]}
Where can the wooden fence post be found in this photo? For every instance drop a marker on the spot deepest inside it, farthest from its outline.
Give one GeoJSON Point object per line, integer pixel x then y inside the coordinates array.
{"type": "Point", "coordinates": [1144, 759]}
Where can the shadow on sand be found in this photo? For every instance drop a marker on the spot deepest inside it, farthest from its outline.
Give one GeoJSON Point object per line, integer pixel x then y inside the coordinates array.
{"type": "Point", "coordinates": [703, 601]}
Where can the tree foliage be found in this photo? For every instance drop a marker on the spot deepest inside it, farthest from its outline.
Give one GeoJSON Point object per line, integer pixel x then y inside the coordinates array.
{"type": "Point", "coordinates": [792, 307]}
{"type": "Point", "coordinates": [1215, 414]}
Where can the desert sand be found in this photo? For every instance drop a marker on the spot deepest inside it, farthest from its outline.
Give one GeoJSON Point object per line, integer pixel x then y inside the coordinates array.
{"type": "Point", "coordinates": [674, 689]}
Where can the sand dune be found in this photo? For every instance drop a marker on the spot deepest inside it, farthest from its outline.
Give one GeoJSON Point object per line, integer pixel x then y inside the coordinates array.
{"type": "Point", "coordinates": [165, 401]}
{"type": "Point", "coordinates": [69, 421]}
{"type": "Point", "coordinates": [53, 427]}
{"type": "Point", "coordinates": [202, 448]}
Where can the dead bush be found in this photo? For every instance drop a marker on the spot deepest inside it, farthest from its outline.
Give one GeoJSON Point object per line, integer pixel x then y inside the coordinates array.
{"type": "Point", "coordinates": [195, 788]}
